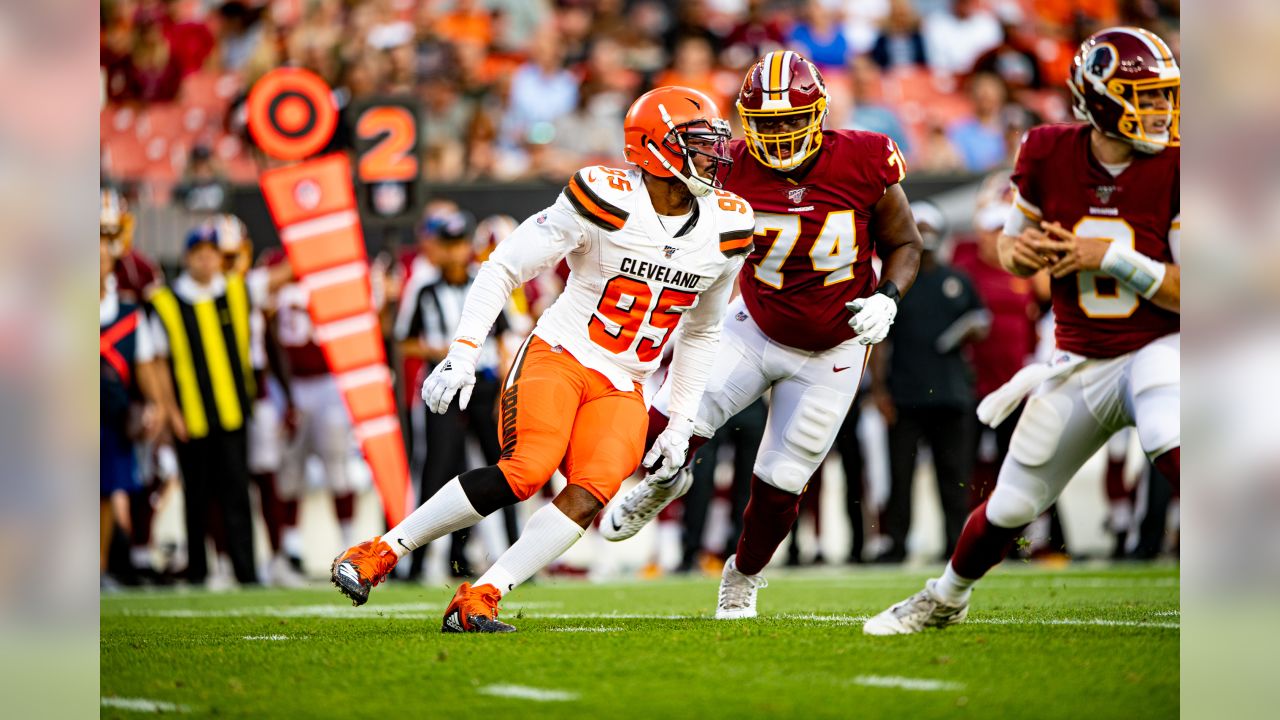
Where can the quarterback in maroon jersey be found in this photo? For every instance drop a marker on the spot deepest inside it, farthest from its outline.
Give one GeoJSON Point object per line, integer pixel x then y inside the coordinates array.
{"type": "Point", "coordinates": [811, 305]}
{"type": "Point", "coordinates": [1097, 206]}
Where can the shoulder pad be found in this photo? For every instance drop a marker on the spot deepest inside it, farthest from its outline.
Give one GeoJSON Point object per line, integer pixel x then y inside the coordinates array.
{"type": "Point", "coordinates": [597, 193]}
{"type": "Point", "coordinates": [736, 222]}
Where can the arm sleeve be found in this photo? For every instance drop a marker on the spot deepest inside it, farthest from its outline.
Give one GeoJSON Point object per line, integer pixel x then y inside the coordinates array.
{"type": "Point", "coordinates": [695, 347]}
{"type": "Point", "coordinates": [537, 245]}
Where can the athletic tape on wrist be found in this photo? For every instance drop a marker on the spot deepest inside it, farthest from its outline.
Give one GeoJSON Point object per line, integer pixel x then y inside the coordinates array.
{"type": "Point", "coordinates": [1134, 270]}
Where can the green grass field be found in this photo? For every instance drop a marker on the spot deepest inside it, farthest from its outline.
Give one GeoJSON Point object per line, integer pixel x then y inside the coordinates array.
{"type": "Point", "coordinates": [1086, 642]}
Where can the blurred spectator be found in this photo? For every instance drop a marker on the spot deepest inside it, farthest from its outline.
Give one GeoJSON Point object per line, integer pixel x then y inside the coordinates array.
{"type": "Point", "coordinates": [753, 37]}
{"type": "Point", "coordinates": [852, 461]}
{"type": "Point", "coordinates": [924, 388]}
{"type": "Point", "coordinates": [467, 21]}
{"type": "Point", "coordinates": [862, 20]}
{"type": "Point", "coordinates": [643, 47]}
{"type": "Point", "coordinates": [241, 34]}
{"type": "Point", "coordinates": [1014, 59]}
{"type": "Point", "coordinates": [136, 275]}
{"type": "Point", "coordinates": [151, 72]}
{"type": "Point", "coordinates": [693, 66]}
{"type": "Point", "coordinates": [936, 154]}
{"type": "Point", "coordinates": [900, 43]}
{"type": "Point", "coordinates": [819, 38]}
{"type": "Point", "coordinates": [446, 117]}
{"type": "Point", "coordinates": [981, 139]}
{"type": "Point", "coordinates": [571, 25]}
{"type": "Point", "coordinates": [866, 109]}
{"type": "Point", "coordinates": [515, 21]}
{"type": "Point", "coordinates": [204, 187]}
{"type": "Point", "coordinates": [955, 38]}
{"type": "Point", "coordinates": [541, 91]}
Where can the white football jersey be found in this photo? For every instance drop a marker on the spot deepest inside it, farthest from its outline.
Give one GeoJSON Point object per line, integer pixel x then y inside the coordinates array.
{"type": "Point", "coordinates": [631, 280]}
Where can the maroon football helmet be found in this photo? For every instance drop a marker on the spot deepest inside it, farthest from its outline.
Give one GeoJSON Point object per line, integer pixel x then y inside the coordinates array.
{"type": "Point", "coordinates": [1126, 83]}
{"type": "Point", "coordinates": [782, 104]}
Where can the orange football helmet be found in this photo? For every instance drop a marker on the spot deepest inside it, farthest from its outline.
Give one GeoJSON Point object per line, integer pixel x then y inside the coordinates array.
{"type": "Point", "coordinates": [666, 127]}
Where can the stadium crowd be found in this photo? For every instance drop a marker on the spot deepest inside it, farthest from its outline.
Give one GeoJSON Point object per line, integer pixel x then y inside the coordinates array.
{"type": "Point", "coordinates": [513, 90]}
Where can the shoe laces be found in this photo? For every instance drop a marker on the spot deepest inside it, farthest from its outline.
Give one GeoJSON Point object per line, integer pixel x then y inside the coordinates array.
{"type": "Point", "coordinates": [373, 562]}
{"type": "Point", "coordinates": [482, 600]}
{"type": "Point", "coordinates": [738, 588]}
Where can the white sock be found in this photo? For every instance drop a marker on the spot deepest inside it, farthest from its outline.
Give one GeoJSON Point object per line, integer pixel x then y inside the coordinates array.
{"type": "Point", "coordinates": [346, 530]}
{"type": "Point", "coordinates": [953, 589]}
{"type": "Point", "coordinates": [291, 541]}
{"type": "Point", "coordinates": [446, 511]}
{"type": "Point", "coordinates": [546, 537]}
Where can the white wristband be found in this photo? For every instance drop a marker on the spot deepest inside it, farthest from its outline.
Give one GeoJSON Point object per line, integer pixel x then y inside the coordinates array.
{"type": "Point", "coordinates": [1134, 270]}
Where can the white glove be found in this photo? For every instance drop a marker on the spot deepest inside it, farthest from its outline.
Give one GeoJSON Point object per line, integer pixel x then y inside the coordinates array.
{"type": "Point", "coordinates": [666, 456]}
{"type": "Point", "coordinates": [455, 376]}
{"type": "Point", "coordinates": [873, 316]}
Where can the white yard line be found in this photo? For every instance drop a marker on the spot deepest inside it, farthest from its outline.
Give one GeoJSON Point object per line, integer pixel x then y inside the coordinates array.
{"type": "Point", "coordinates": [143, 705]}
{"type": "Point", "coordinates": [422, 611]}
{"type": "Point", "coordinates": [586, 629]}
{"type": "Point", "coordinates": [522, 692]}
{"type": "Point", "coordinates": [270, 637]}
{"type": "Point", "coordinates": [905, 683]}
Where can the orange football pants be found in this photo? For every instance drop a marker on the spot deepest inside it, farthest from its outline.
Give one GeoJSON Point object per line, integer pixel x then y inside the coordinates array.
{"type": "Point", "coordinates": [556, 413]}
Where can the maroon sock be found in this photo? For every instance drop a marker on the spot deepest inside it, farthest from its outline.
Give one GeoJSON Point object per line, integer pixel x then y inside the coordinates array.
{"type": "Point", "coordinates": [344, 506]}
{"type": "Point", "coordinates": [768, 518]}
{"type": "Point", "coordinates": [1170, 465]}
{"type": "Point", "coordinates": [982, 544]}
{"type": "Point", "coordinates": [288, 513]}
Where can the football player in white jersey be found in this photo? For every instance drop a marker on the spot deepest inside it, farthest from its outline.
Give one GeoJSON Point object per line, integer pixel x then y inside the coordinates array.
{"type": "Point", "coordinates": [648, 249]}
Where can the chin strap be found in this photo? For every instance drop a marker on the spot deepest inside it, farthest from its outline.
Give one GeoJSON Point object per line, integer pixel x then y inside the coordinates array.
{"type": "Point", "coordinates": [698, 185]}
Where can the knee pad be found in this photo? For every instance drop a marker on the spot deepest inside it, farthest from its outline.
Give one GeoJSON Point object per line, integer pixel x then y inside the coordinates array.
{"type": "Point", "coordinates": [1036, 437]}
{"type": "Point", "coordinates": [813, 427]}
{"type": "Point", "coordinates": [783, 472]}
{"type": "Point", "coordinates": [1009, 507]}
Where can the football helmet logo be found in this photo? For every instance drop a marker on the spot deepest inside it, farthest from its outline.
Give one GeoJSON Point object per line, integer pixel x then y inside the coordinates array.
{"type": "Point", "coordinates": [115, 222]}
{"type": "Point", "coordinates": [783, 103]}
{"type": "Point", "coordinates": [1126, 83]}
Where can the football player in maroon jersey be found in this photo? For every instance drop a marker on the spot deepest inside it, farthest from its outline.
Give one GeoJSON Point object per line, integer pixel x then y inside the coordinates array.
{"type": "Point", "coordinates": [811, 305]}
{"type": "Point", "coordinates": [1097, 205]}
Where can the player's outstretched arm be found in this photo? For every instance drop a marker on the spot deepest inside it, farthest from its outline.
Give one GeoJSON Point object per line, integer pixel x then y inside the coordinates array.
{"type": "Point", "coordinates": [539, 243]}
{"type": "Point", "coordinates": [898, 243]}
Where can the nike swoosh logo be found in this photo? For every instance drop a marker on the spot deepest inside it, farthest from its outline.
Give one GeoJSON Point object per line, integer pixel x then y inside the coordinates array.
{"type": "Point", "coordinates": [406, 547]}
{"type": "Point", "coordinates": [614, 521]}
{"type": "Point", "coordinates": [840, 369]}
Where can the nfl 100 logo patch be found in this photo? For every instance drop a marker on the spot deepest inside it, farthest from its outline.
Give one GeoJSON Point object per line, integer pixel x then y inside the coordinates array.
{"type": "Point", "coordinates": [796, 195]}
{"type": "Point", "coordinates": [668, 251]}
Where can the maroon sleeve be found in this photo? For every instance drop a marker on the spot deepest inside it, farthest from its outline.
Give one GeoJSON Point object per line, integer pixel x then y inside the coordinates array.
{"type": "Point", "coordinates": [1035, 148]}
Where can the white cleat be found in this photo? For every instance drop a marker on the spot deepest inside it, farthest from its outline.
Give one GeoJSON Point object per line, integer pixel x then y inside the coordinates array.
{"type": "Point", "coordinates": [641, 504]}
{"type": "Point", "coordinates": [737, 592]}
{"type": "Point", "coordinates": [922, 610]}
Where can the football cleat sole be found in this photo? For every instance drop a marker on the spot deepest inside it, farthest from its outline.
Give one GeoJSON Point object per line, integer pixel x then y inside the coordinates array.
{"type": "Point", "coordinates": [347, 579]}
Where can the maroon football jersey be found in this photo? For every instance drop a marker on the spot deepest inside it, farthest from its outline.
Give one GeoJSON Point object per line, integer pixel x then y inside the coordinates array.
{"type": "Point", "coordinates": [1059, 179]}
{"type": "Point", "coordinates": [293, 326]}
{"type": "Point", "coordinates": [812, 246]}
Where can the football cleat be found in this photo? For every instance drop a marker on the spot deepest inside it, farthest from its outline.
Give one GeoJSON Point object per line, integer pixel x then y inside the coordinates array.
{"type": "Point", "coordinates": [922, 610]}
{"type": "Point", "coordinates": [737, 592]}
{"type": "Point", "coordinates": [474, 609]}
{"type": "Point", "coordinates": [357, 570]}
{"type": "Point", "coordinates": [641, 504]}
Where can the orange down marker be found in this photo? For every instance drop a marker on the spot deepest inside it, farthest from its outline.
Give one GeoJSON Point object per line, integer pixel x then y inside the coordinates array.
{"type": "Point", "coordinates": [313, 206]}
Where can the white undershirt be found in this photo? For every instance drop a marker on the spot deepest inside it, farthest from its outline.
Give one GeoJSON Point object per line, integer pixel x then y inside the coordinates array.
{"type": "Point", "coordinates": [1114, 168]}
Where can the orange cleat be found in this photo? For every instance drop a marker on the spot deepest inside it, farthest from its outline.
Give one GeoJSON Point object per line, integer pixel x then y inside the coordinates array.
{"type": "Point", "coordinates": [357, 570]}
{"type": "Point", "coordinates": [474, 609]}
